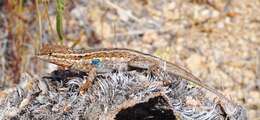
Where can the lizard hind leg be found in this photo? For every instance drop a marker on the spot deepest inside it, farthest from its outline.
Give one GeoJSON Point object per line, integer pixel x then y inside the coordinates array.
{"type": "Point", "coordinates": [153, 67]}
{"type": "Point", "coordinates": [159, 73]}
{"type": "Point", "coordinates": [88, 81]}
{"type": "Point", "coordinates": [156, 71]}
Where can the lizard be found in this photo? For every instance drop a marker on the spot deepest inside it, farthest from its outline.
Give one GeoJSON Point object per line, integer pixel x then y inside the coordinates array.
{"type": "Point", "coordinates": [104, 59]}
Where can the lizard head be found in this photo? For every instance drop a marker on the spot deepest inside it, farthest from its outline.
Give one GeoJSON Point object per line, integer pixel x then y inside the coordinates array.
{"type": "Point", "coordinates": [56, 54]}
{"type": "Point", "coordinates": [52, 49]}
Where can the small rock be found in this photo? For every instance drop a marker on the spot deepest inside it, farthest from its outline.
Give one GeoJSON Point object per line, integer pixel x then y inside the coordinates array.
{"type": "Point", "coordinates": [195, 62]}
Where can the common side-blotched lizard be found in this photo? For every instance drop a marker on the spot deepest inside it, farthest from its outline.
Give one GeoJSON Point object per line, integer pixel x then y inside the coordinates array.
{"type": "Point", "coordinates": [103, 60]}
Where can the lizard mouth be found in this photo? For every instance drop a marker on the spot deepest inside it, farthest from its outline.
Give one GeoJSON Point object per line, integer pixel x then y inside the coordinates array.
{"type": "Point", "coordinates": [55, 60]}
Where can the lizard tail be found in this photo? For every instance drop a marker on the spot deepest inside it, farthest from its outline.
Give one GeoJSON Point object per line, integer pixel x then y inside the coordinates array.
{"type": "Point", "coordinates": [183, 73]}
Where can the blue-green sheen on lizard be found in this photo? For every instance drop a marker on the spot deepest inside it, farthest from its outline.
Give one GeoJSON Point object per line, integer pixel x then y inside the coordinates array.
{"type": "Point", "coordinates": [110, 58]}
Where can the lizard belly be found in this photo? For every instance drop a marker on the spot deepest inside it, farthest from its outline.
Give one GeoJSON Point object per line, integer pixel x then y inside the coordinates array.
{"type": "Point", "coordinates": [110, 66]}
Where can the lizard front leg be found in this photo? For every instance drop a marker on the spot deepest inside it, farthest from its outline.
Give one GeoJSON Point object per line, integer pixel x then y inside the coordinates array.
{"type": "Point", "coordinates": [88, 81]}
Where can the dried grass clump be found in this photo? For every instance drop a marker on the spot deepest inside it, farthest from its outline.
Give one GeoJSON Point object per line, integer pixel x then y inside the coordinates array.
{"type": "Point", "coordinates": [125, 95]}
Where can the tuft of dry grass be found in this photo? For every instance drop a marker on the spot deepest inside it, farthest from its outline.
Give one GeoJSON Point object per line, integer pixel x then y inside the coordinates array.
{"type": "Point", "coordinates": [125, 95]}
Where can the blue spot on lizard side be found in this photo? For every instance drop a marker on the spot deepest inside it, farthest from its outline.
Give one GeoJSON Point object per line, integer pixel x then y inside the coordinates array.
{"type": "Point", "coordinates": [96, 62]}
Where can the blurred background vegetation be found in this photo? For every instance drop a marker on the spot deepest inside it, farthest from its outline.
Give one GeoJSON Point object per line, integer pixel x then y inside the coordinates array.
{"type": "Point", "coordinates": [218, 40]}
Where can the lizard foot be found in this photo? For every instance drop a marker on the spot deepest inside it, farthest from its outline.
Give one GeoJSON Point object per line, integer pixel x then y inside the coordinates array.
{"type": "Point", "coordinates": [85, 86]}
